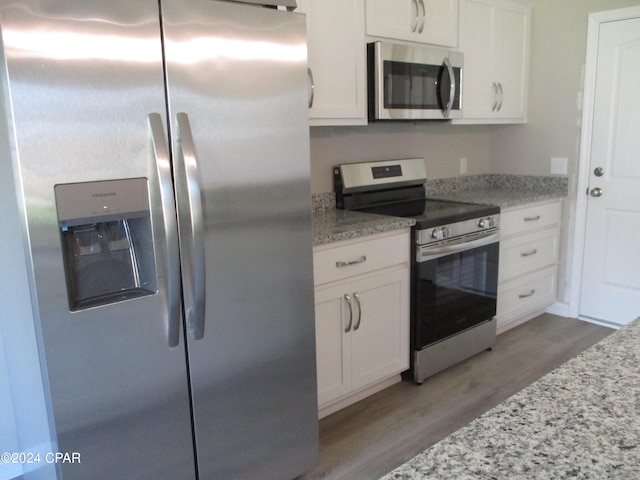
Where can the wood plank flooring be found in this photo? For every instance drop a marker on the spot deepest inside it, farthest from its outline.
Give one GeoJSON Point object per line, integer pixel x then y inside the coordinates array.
{"type": "Point", "coordinates": [372, 437]}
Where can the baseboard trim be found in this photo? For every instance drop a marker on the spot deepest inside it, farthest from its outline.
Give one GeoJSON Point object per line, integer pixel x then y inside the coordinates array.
{"type": "Point", "coordinates": [558, 308]}
{"type": "Point", "coordinates": [356, 397]}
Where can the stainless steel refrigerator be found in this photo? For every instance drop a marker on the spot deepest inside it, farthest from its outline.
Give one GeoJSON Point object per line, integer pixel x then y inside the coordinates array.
{"type": "Point", "coordinates": [159, 153]}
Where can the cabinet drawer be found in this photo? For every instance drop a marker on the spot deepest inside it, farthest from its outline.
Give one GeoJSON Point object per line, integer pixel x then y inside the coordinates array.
{"type": "Point", "coordinates": [527, 294]}
{"type": "Point", "coordinates": [344, 260]}
{"type": "Point", "coordinates": [522, 220]}
{"type": "Point", "coordinates": [524, 254]}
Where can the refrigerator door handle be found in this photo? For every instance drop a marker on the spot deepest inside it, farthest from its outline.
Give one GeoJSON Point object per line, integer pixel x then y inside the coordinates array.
{"type": "Point", "coordinates": [170, 248]}
{"type": "Point", "coordinates": [192, 229]}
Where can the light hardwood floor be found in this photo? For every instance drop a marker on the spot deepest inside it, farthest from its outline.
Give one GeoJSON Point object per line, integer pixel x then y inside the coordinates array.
{"type": "Point", "coordinates": [372, 437]}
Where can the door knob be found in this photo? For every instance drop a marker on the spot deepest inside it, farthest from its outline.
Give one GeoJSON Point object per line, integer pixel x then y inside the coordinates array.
{"type": "Point", "coordinates": [596, 192]}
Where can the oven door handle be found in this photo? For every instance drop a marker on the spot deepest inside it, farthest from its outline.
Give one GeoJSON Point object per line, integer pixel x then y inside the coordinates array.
{"type": "Point", "coordinates": [427, 253]}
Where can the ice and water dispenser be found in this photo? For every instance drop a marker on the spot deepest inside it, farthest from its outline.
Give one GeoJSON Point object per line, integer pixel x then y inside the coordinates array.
{"type": "Point", "coordinates": [107, 241]}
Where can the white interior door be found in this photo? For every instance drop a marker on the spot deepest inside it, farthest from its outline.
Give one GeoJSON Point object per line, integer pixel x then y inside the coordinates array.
{"type": "Point", "coordinates": [611, 266]}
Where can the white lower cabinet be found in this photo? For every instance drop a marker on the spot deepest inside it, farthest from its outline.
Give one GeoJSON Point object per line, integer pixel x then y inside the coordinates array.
{"type": "Point", "coordinates": [362, 321]}
{"type": "Point", "coordinates": [529, 248]}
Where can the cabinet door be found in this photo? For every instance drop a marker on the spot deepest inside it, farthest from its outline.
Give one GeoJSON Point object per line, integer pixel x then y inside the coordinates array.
{"type": "Point", "coordinates": [494, 36]}
{"type": "Point", "coordinates": [424, 21]}
{"type": "Point", "coordinates": [380, 334]}
{"type": "Point", "coordinates": [512, 57]}
{"type": "Point", "coordinates": [333, 351]}
{"type": "Point", "coordinates": [337, 61]}
{"type": "Point", "coordinates": [440, 23]}
{"type": "Point", "coordinates": [397, 19]}
{"type": "Point", "coordinates": [477, 24]}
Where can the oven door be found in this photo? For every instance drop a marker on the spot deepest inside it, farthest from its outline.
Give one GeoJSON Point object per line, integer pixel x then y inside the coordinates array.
{"type": "Point", "coordinates": [455, 288]}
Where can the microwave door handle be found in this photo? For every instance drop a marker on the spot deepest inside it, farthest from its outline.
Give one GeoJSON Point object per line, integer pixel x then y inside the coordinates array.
{"type": "Point", "coordinates": [452, 88]}
{"type": "Point", "coordinates": [192, 231]}
{"type": "Point", "coordinates": [168, 255]}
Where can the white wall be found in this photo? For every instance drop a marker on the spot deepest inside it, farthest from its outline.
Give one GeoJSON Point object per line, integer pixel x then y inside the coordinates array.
{"type": "Point", "coordinates": [441, 145]}
{"type": "Point", "coordinates": [558, 53]}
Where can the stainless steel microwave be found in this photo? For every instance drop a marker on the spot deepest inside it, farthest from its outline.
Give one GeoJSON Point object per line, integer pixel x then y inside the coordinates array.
{"type": "Point", "coordinates": [414, 82]}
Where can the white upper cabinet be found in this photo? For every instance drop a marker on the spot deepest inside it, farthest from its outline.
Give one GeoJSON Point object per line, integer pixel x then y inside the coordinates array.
{"type": "Point", "coordinates": [337, 61]}
{"type": "Point", "coordinates": [425, 21]}
{"type": "Point", "coordinates": [494, 37]}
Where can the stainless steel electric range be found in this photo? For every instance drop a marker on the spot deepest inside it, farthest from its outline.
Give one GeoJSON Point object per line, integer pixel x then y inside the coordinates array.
{"type": "Point", "coordinates": [454, 270]}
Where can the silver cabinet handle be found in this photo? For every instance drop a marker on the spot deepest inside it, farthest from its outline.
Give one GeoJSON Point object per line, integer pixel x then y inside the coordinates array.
{"type": "Point", "coordinates": [357, 326]}
{"type": "Point", "coordinates": [452, 87]}
{"type": "Point", "coordinates": [532, 219]}
{"type": "Point", "coordinates": [423, 16]}
{"type": "Point", "coordinates": [528, 254]}
{"type": "Point", "coordinates": [495, 97]}
{"type": "Point", "coordinates": [346, 263]}
{"type": "Point", "coordinates": [525, 295]}
{"type": "Point", "coordinates": [191, 228]}
{"type": "Point", "coordinates": [347, 297]}
{"type": "Point", "coordinates": [312, 87]}
{"type": "Point", "coordinates": [414, 26]}
{"type": "Point", "coordinates": [500, 96]}
{"type": "Point", "coordinates": [168, 255]}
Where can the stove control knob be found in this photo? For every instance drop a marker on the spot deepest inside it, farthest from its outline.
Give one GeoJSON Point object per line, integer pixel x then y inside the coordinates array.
{"type": "Point", "coordinates": [437, 234]}
{"type": "Point", "coordinates": [486, 222]}
{"type": "Point", "coordinates": [446, 232]}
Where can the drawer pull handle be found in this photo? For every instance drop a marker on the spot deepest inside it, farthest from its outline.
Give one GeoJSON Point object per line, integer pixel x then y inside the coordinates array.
{"type": "Point", "coordinates": [525, 295]}
{"type": "Point", "coordinates": [347, 263]}
{"type": "Point", "coordinates": [528, 254]}
{"type": "Point", "coordinates": [347, 297]}
{"type": "Point", "coordinates": [532, 219]}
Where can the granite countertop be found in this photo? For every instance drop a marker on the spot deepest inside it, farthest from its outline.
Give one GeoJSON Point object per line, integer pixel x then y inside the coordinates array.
{"type": "Point", "coordinates": [331, 225]}
{"type": "Point", "coordinates": [582, 420]}
{"type": "Point", "coordinates": [502, 190]}
{"type": "Point", "coordinates": [334, 225]}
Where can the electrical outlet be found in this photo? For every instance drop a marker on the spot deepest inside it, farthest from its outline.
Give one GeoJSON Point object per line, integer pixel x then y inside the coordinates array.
{"type": "Point", "coordinates": [559, 165]}
{"type": "Point", "coordinates": [463, 165]}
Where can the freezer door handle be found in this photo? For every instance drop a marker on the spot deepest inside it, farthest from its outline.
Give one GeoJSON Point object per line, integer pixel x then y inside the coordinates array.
{"type": "Point", "coordinates": [169, 251]}
{"type": "Point", "coordinates": [191, 222]}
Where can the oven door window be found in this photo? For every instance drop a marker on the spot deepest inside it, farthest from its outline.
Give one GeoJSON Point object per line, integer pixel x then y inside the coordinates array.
{"type": "Point", "coordinates": [454, 293]}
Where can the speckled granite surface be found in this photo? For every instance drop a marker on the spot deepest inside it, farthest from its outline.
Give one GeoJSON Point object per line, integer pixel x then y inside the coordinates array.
{"type": "Point", "coordinates": [494, 189]}
{"type": "Point", "coordinates": [335, 225]}
{"type": "Point", "coordinates": [331, 225]}
{"type": "Point", "coordinates": [580, 421]}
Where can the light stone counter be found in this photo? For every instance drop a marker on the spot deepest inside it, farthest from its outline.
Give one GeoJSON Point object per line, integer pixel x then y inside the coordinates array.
{"type": "Point", "coordinates": [581, 421]}
{"type": "Point", "coordinates": [501, 190]}
{"type": "Point", "coordinates": [335, 225]}
{"type": "Point", "coordinates": [331, 225]}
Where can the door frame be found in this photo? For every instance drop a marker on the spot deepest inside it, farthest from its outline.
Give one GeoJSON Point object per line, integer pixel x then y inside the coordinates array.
{"type": "Point", "coordinates": [591, 64]}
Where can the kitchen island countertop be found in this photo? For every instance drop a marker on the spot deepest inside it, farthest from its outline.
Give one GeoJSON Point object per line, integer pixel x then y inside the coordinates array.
{"type": "Point", "coordinates": [582, 420]}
